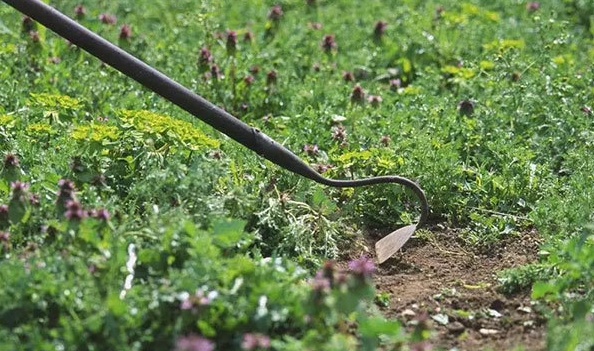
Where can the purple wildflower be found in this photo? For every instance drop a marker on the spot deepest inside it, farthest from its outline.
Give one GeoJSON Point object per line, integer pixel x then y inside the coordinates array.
{"type": "Point", "coordinates": [379, 29]}
{"type": "Point", "coordinates": [248, 36]}
{"type": "Point", "coordinates": [362, 267]}
{"type": "Point", "coordinates": [395, 84]}
{"type": "Point", "coordinates": [92, 268]}
{"type": "Point", "coordinates": [255, 69]}
{"type": "Point", "coordinates": [186, 304]}
{"type": "Point", "coordinates": [252, 341]}
{"type": "Point", "coordinates": [271, 77]}
{"type": "Point", "coordinates": [276, 13]}
{"type": "Point", "coordinates": [65, 191]}
{"type": "Point", "coordinates": [102, 214]}
{"type": "Point", "coordinates": [11, 160]}
{"type": "Point", "coordinates": [28, 24]}
{"type": "Point", "coordinates": [125, 32]}
{"type": "Point", "coordinates": [439, 10]}
{"type": "Point", "coordinates": [4, 214]}
{"type": "Point", "coordinates": [74, 211]}
{"type": "Point", "coordinates": [231, 43]}
{"type": "Point", "coordinates": [328, 269]}
{"type": "Point", "coordinates": [311, 149]}
{"type": "Point", "coordinates": [216, 154]}
{"type": "Point", "coordinates": [107, 18]}
{"type": "Point", "coordinates": [34, 36]}
{"type": "Point", "coordinates": [339, 133]}
{"type": "Point", "coordinates": [4, 219]}
{"type": "Point", "coordinates": [341, 278]}
{"type": "Point", "coordinates": [215, 72]}
{"type": "Point", "coordinates": [34, 199]}
{"type": "Point", "coordinates": [357, 95]}
{"type": "Point", "coordinates": [193, 343]}
{"type": "Point", "coordinates": [248, 80]}
{"type": "Point", "coordinates": [249, 342]}
{"type": "Point", "coordinates": [328, 43]}
{"type": "Point", "coordinates": [374, 100]}
{"type": "Point", "coordinates": [315, 25]}
{"type": "Point", "coordinates": [320, 283]}
{"type": "Point", "coordinates": [205, 57]}
{"type": "Point", "coordinates": [348, 76]}
{"type": "Point", "coordinates": [200, 298]}
{"type": "Point", "coordinates": [516, 76]}
{"type": "Point", "coordinates": [322, 168]}
{"type": "Point", "coordinates": [466, 107]}
{"type": "Point", "coordinates": [80, 11]}
{"type": "Point", "coordinates": [532, 6]}
{"type": "Point", "coordinates": [5, 241]}
{"type": "Point", "coordinates": [18, 187]}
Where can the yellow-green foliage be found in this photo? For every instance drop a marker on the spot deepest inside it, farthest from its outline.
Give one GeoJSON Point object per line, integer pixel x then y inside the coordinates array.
{"type": "Point", "coordinates": [6, 120]}
{"type": "Point", "coordinates": [36, 129]}
{"type": "Point", "coordinates": [379, 158]}
{"type": "Point", "coordinates": [566, 59]}
{"type": "Point", "coordinates": [156, 124]}
{"type": "Point", "coordinates": [486, 65]}
{"type": "Point", "coordinates": [459, 72]}
{"type": "Point", "coordinates": [468, 12]}
{"type": "Point", "coordinates": [55, 101]}
{"type": "Point", "coordinates": [505, 44]}
{"type": "Point", "coordinates": [95, 132]}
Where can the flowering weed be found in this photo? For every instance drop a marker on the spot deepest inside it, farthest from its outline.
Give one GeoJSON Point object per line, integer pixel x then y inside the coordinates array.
{"type": "Point", "coordinates": [487, 105]}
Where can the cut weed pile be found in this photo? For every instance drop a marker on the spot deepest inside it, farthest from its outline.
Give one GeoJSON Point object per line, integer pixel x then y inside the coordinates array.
{"type": "Point", "coordinates": [125, 224]}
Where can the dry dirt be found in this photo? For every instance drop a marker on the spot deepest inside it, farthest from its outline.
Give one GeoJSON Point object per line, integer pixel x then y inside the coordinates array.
{"type": "Point", "coordinates": [437, 276]}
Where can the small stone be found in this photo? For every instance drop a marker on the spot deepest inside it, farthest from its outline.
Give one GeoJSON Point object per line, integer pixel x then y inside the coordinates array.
{"type": "Point", "coordinates": [525, 309]}
{"type": "Point", "coordinates": [441, 318]}
{"type": "Point", "coordinates": [497, 305]}
{"type": "Point", "coordinates": [408, 313]}
{"type": "Point", "coordinates": [494, 313]}
{"type": "Point", "coordinates": [456, 328]}
{"type": "Point", "coordinates": [485, 331]}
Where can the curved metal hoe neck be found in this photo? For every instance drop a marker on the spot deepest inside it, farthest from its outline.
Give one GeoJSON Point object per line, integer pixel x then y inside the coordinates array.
{"type": "Point", "coordinates": [246, 135]}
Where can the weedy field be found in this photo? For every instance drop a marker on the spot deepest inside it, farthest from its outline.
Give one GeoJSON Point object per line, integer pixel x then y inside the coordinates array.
{"type": "Point", "coordinates": [126, 224]}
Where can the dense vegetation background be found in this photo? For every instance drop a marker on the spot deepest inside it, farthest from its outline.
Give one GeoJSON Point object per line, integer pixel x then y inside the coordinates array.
{"type": "Point", "coordinates": [126, 224]}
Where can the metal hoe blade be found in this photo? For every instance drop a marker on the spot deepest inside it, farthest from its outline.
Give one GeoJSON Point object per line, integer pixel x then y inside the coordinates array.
{"type": "Point", "coordinates": [391, 243]}
{"type": "Point", "coordinates": [199, 107]}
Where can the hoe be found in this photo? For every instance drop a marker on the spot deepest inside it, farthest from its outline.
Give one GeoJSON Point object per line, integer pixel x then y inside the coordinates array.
{"type": "Point", "coordinates": [224, 122]}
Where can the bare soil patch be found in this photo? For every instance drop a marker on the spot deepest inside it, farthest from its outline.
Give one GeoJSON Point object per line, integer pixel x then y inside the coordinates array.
{"type": "Point", "coordinates": [455, 288]}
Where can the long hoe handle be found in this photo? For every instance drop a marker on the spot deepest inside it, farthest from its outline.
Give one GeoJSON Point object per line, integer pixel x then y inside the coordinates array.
{"type": "Point", "coordinates": [199, 107]}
